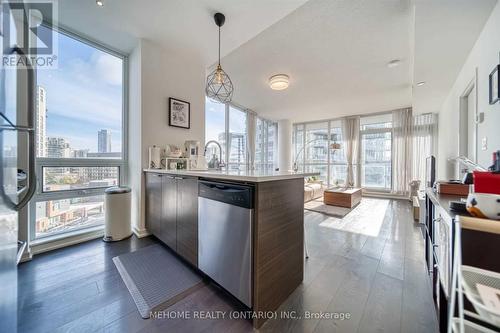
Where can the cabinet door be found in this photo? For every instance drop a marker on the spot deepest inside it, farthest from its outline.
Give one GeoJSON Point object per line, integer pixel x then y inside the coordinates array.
{"type": "Point", "coordinates": [154, 203]}
{"type": "Point", "coordinates": [169, 215]}
{"type": "Point", "coordinates": [187, 219]}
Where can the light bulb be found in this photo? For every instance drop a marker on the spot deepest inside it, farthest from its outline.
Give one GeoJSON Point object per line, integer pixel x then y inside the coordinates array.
{"type": "Point", "coordinates": [218, 76]}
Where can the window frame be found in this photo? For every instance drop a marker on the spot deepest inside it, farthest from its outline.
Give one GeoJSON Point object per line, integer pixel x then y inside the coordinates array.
{"type": "Point", "coordinates": [361, 164]}
{"type": "Point", "coordinates": [302, 163]}
{"type": "Point", "coordinates": [360, 150]}
{"type": "Point", "coordinates": [226, 154]}
{"type": "Point", "coordinates": [121, 163]}
{"type": "Point", "coordinates": [265, 163]}
{"type": "Point", "coordinates": [228, 136]}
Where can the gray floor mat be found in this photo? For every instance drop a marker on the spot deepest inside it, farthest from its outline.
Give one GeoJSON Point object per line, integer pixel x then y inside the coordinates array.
{"type": "Point", "coordinates": [155, 278]}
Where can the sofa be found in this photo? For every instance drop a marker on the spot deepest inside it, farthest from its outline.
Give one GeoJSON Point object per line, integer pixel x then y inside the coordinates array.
{"type": "Point", "coordinates": [313, 189]}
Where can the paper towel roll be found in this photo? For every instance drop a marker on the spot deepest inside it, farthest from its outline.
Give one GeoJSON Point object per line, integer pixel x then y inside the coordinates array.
{"type": "Point", "coordinates": [154, 157]}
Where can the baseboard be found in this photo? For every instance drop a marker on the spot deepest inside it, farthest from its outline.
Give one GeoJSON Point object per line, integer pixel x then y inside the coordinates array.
{"type": "Point", "coordinates": [140, 233]}
{"type": "Point", "coordinates": [385, 195]}
{"type": "Point", "coordinates": [50, 245]}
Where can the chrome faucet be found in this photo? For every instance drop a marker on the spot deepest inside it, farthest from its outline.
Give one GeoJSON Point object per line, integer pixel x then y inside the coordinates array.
{"type": "Point", "coordinates": [220, 164]}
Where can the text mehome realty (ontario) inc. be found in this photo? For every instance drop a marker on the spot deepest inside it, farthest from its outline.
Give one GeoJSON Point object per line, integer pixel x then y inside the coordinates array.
{"type": "Point", "coordinates": [212, 315]}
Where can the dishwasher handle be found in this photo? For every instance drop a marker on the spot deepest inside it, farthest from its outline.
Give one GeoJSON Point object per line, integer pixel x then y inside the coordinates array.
{"type": "Point", "coordinates": [233, 194]}
{"type": "Point", "coordinates": [224, 188]}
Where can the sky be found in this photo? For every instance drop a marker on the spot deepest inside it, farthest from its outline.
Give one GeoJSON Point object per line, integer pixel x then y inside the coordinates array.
{"type": "Point", "coordinates": [84, 95]}
{"type": "Point", "coordinates": [215, 120]}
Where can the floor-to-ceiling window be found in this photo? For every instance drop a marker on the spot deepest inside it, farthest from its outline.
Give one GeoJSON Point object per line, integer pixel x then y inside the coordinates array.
{"type": "Point", "coordinates": [338, 164]}
{"type": "Point", "coordinates": [227, 124]}
{"type": "Point", "coordinates": [80, 139]}
{"type": "Point", "coordinates": [313, 152]}
{"type": "Point", "coordinates": [376, 152]}
{"type": "Point", "coordinates": [237, 139]}
{"type": "Point", "coordinates": [316, 149]}
{"type": "Point", "coordinates": [266, 144]}
{"type": "Point", "coordinates": [215, 128]}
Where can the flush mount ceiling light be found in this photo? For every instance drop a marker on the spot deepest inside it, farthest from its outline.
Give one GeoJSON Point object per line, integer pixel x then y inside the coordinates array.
{"type": "Point", "coordinates": [421, 83]}
{"type": "Point", "coordinates": [279, 82]}
{"type": "Point", "coordinates": [393, 63]}
{"type": "Point", "coordinates": [219, 86]}
{"type": "Point", "coordinates": [100, 3]}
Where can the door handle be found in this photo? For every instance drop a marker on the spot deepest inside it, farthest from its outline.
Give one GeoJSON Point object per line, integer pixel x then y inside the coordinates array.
{"type": "Point", "coordinates": [29, 129]}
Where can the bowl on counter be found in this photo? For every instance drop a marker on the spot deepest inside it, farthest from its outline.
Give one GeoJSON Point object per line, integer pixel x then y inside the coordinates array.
{"type": "Point", "coordinates": [484, 205]}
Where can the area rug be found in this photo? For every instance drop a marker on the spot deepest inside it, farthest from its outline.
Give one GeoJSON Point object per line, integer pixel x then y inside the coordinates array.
{"type": "Point", "coordinates": [155, 278]}
{"type": "Point", "coordinates": [318, 206]}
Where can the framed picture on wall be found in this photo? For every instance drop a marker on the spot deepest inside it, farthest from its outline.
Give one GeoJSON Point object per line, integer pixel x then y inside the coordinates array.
{"type": "Point", "coordinates": [495, 85]}
{"type": "Point", "coordinates": [179, 113]}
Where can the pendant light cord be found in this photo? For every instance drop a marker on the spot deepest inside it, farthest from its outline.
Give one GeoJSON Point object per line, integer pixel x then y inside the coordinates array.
{"type": "Point", "coordinates": [219, 45]}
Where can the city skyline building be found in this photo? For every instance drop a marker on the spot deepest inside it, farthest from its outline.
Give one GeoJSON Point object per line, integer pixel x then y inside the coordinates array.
{"type": "Point", "coordinates": [41, 122]}
{"type": "Point", "coordinates": [58, 148]}
{"type": "Point", "coordinates": [104, 141]}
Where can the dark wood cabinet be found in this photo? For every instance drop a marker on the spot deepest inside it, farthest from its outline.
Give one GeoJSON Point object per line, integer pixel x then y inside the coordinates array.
{"type": "Point", "coordinates": [277, 232]}
{"type": "Point", "coordinates": [187, 219]}
{"type": "Point", "coordinates": [172, 212]}
{"type": "Point", "coordinates": [169, 216]}
{"type": "Point", "coordinates": [154, 202]}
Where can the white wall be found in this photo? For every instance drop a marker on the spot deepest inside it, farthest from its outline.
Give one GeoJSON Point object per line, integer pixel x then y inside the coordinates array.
{"type": "Point", "coordinates": [155, 75]}
{"type": "Point", "coordinates": [134, 133]}
{"type": "Point", "coordinates": [484, 56]}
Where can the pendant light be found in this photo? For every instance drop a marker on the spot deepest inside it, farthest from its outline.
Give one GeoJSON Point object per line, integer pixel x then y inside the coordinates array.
{"type": "Point", "coordinates": [219, 86]}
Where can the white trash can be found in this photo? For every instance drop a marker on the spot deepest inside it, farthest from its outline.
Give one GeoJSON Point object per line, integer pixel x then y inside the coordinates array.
{"type": "Point", "coordinates": [117, 213]}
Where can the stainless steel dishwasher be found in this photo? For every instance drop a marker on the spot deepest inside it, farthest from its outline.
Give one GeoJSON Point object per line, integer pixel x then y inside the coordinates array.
{"type": "Point", "coordinates": [225, 214]}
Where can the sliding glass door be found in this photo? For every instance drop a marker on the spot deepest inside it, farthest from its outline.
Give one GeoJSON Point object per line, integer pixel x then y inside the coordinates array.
{"type": "Point", "coordinates": [313, 153]}
{"type": "Point", "coordinates": [376, 161]}
{"type": "Point", "coordinates": [376, 152]}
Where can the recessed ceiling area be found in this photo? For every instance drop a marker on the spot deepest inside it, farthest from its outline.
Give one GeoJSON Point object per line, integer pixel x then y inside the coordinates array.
{"type": "Point", "coordinates": [338, 56]}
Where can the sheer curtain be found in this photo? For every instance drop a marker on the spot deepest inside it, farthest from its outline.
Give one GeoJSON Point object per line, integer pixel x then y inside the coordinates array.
{"type": "Point", "coordinates": [402, 128]}
{"type": "Point", "coordinates": [251, 128]}
{"type": "Point", "coordinates": [424, 133]}
{"type": "Point", "coordinates": [350, 138]}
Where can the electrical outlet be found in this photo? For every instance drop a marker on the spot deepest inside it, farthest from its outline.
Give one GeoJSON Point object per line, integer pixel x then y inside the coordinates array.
{"type": "Point", "coordinates": [484, 143]}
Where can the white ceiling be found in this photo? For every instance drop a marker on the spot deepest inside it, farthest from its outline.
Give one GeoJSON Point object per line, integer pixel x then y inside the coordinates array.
{"type": "Point", "coordinates": [335, 51]}
{"type": "Point", "coordinates": [336, 54]}
{"type": "Point", "coordinates": [185, 25]}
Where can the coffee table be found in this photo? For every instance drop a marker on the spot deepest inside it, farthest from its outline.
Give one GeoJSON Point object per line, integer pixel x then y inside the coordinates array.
{"type": "Point", "coordinates": [343, 197]}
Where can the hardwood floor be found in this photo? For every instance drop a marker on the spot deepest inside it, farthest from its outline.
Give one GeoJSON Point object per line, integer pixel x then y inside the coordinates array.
{"type": "Point", "coordinates": [378, 281]}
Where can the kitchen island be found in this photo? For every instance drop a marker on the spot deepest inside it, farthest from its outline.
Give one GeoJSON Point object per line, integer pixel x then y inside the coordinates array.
{"type": "Point", "coordinates": [277, 225]}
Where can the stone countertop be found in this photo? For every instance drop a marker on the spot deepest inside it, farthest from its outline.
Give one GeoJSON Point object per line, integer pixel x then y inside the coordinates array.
{"type": "Point", "coordinates": [246, 176]}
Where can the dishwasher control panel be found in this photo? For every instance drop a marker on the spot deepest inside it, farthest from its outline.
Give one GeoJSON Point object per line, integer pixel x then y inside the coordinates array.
{"type": "Point", "coordinates": [233, 194]}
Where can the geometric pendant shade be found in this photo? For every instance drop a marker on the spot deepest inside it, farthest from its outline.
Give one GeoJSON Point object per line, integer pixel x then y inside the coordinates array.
{"type": "Point", "coordinates": [219, 86]}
